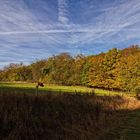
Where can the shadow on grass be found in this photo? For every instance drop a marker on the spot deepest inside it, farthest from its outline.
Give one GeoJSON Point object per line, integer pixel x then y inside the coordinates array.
{"type": "Point", "coordinates": [24, 90]}
{"type": "Point", "coordinates": [61, 117]}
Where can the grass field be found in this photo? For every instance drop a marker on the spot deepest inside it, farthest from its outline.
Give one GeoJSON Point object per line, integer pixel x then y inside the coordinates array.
{"type": "Point", "coordinates": [67, 116]}
{"type": "Point", "coordinates": [30, 88]}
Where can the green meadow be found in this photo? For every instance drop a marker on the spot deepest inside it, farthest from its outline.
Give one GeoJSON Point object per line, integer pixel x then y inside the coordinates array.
{"type": "Point", "coordinates": [23, 87]}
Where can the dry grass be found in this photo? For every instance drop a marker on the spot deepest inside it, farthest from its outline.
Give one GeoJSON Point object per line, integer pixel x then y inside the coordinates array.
{"type": "Point", "coordinates": [61, 117]}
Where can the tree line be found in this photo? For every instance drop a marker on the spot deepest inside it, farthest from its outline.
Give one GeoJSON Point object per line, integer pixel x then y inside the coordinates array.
{"type": "Point", "coordinates": [115, 69]}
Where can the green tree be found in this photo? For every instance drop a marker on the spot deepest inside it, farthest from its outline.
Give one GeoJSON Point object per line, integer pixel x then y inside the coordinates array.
{"type": "Point", "coordinates": [37, 70]}
{"type": "Point", "coordinates": [59, 69]}
{"type": "Point", "coordinates": [24, 73]}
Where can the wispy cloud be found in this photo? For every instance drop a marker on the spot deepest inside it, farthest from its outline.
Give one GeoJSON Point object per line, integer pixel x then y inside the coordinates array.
{"type": "Point", "coordinates": [31, 29]}
{"type": "Point", "coordinates": [80, 30]}
{"type": "Point", "coordinates": [63, 12]}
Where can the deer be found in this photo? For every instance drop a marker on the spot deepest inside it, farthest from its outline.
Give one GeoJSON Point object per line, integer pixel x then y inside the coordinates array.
{"type": "Point", "coordinates": [39, 84]}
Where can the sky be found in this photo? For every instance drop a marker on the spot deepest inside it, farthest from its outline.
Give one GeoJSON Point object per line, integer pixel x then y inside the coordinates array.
{"type": "Point", "coordinates": [31, 30]}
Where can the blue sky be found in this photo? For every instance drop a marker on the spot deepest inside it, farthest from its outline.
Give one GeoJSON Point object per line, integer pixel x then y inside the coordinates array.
{"type": "Point", "coordinates": [37, 29]}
